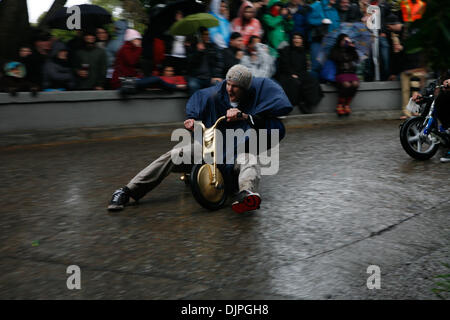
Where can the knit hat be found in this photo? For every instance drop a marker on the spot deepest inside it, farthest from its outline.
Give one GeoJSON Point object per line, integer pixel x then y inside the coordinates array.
{"type": "Point", "coordinates": [10, 66]}
{"type": "Point", "coordinates": [240, 75]}
{"type": "Point", "coordinates": [132, 34]}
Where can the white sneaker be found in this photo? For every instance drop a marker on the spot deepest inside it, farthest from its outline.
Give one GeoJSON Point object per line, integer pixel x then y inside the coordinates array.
{"type": "Point", "coordinates": [445, 158]}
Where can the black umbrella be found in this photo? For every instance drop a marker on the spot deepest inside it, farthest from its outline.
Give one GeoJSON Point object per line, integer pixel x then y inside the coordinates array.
{"type": "Point", "coordinates": [162, 16]}
{"type": "Point", "coordinates": [92, 16]}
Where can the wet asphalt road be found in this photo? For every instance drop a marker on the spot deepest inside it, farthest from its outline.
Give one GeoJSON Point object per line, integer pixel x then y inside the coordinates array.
{"type": "Point", "coordinates": [346, 197]}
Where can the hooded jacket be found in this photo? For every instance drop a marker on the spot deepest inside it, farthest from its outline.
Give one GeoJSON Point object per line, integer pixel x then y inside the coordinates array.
{"type": "Point", "coordinates": [114, 45]}
{"type": "Point", "coordinates": [262, 64]}
{"type": "Point", "coordinates": [265, 99]}
{"type": "Point", "coordinates": [126, 63]}
{"type": "Point", "coordinates": [253, 28]}
{"type": "Point", "coordinates": [279, 26]}
{"type": "Point", "coordinates": [56, 72]}
{"type": "Point", "coordinates": [220, 35]}
{"type": "Point", "coordinates": [319, 11]}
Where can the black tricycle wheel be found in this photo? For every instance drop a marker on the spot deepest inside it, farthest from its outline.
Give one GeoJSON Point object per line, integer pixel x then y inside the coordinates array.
{"type": "Point", "coordinates": [208, 197]}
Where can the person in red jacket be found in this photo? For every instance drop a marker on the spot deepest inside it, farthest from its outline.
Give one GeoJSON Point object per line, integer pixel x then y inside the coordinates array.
{"type": "Point", "coordinates": [126, 67]}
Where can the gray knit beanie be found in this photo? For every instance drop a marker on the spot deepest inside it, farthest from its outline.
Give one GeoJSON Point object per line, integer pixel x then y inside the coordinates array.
{"type": "Point", "coordinates": [241, 75]}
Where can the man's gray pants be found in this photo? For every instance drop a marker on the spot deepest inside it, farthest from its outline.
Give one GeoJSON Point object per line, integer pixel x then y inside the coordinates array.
{"type": "Point", "coordinates": [146, 180]}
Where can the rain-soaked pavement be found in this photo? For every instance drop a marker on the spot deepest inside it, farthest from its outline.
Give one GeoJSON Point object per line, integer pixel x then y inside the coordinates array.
{"type": "Point", "coordinates": [346, 197]}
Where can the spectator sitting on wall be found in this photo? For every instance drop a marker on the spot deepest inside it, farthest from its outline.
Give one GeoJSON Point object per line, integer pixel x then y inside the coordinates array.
{"type": "Point", "coordinates": [33, 68]}
{"type": "Point", "coordinates": [34, 57]}
{"type": "Point", "coordinates": [57, 71]}
{"type": "Point", "coordinates": [258, 59]}
{"type": "Point", "coordinates": [14, 79]}
{"type": "Point", "coordinates": [171, 77]}
{"type": "Point", "coordinates": [344, 55]}
{"type": "Point", "coordinates": [301, 87]}
{"type": "Point", "coordinates": [234, 53]}
{"type": "Point", "coordinates": [90, 64]}
{"type": "Point", "coordinates": [205, 63]}
{"type": "Point", "coordinates": [127, 76]}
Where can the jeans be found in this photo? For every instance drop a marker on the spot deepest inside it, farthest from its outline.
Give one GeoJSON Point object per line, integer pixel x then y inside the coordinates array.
{"type": "Point", "coordinates": [195, 84]}
{"type": "Point", "coordinates": [151, 176]}
{"type": "Point", "coordinates": [315, 65]}
{"type": "Point", "coordinates": [149, 81]}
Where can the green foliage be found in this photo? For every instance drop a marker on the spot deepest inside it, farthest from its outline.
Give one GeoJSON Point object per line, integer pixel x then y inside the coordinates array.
{"type": "Point", "coordinates": [442, 284]}
{"type": "Point", "coordinates": [132, 10]}
{"type": "Point", "coordinates": [108, 5]}
{"type": "Point", "coordinates": [64, 35]}
{"type": "Point", "coordinates": [433, 35]}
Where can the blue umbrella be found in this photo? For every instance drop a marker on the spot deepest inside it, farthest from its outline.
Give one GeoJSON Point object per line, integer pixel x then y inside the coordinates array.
{"type": "Point", "coordinates": [358, 32]}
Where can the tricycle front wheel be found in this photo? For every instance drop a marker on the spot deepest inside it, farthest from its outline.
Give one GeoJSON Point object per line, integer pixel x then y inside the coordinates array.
{"type": "Point", "coordinates": [208, 195]}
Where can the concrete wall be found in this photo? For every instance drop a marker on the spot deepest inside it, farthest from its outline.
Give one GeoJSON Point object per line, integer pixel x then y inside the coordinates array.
{"type": "Point", "coordinates": [55, 117]}
{"type": "Point", "coordinates": [93, 109]}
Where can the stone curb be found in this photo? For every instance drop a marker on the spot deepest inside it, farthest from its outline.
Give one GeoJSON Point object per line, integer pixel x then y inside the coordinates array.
{"type": "Point", "coordinates": [65, 136]}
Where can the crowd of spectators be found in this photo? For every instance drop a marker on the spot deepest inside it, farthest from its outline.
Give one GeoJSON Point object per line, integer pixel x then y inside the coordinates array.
{"type": "Point", "coordinates": [275, 39]}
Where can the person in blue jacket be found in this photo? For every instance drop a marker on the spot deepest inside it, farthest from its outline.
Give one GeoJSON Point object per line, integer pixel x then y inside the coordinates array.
{"type": "Point", "coordinates": [220, 35]}
{"type": "Point", "coordinates": [247, 102]}
{"type": "Point", "coordinates": [322, 19]}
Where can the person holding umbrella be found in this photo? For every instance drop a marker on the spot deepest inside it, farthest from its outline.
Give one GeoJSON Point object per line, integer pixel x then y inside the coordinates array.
{"type": "Point", "coordinates": [205, 63]}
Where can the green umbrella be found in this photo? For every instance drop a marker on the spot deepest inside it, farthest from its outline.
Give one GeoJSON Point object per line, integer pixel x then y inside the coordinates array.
{"type": "Point", "coordinates": [190, 24]}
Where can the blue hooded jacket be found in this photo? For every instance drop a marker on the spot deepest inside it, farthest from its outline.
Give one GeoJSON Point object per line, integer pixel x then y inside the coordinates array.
{"type": "Point", "coordinates": [265, 97]}
{"type": "Point", "coordinates": [114, 45]}
{"type": "Point", "coordinates": [319, 11]}
{"type": "Point", "coordinates": [219, 35]}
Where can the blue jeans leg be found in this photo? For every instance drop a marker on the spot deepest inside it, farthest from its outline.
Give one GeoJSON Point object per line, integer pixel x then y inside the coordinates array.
{"type": "Point", "coordinates": [315, 65]}
{"type": "Point", "coordinates": [195, 84]}
{"type": "Point", "coordinates": [149, 81]}
{"type": "Point", "coordinates": [384, 56]}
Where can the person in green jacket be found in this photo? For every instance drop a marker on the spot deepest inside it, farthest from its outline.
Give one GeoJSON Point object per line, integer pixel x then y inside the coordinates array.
{"type": "Point", "coordinates": [279, 23]}
{"type": "Point", "coordinates": [90, 64]}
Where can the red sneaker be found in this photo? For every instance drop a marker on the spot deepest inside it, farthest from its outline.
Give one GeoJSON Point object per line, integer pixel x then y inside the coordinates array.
{"type": "Point", "coordinates": [347, 109]}
{"type": "Point", "coordinates": [340, 110]}
{"type": "Point", "coordinates": [247, 201]}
